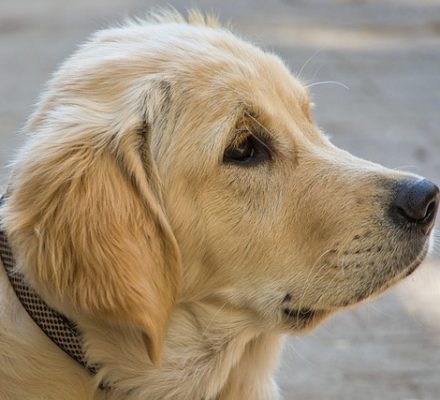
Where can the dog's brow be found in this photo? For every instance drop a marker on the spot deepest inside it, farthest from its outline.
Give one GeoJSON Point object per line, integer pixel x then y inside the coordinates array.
{"type": "Point", "coordinates": [267, 130]}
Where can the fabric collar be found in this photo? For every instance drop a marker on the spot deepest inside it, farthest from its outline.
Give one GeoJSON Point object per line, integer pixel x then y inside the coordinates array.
{"type": "Point", "coordinates": [63, 332]}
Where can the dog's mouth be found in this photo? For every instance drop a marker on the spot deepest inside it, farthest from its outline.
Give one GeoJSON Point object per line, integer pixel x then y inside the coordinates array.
{"type": "Point", "coordinates": [391, 278]}
{"type": "Point", "coordinates": [395, 277]}
{"type": "Point", "coordinates": [300, 319]}
{"type": "Point", "coordinates": [301, 314]}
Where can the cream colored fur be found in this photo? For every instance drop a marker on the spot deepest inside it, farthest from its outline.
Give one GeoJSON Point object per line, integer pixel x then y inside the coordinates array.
{"type": "Point", "coordinates": [177, 266]}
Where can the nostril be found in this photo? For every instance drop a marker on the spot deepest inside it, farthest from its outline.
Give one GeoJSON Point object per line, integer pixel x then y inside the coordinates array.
{"type": "Point", "coordinates": [421, 216]}
{"type": "Point", "coordinates": [430, 211]}
{"type": "Point", "coordinates": [417, 201]}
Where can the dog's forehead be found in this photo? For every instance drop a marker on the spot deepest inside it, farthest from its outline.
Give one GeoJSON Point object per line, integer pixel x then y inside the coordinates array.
{"type": "Point", "coordinates": [263, 75]}
{"type": "Point", "coordinates": [243, 78]}
{"type": "Point", "coordinates": [269, 90]}
{"type": "Point", "coordinates": [240, 72]}
{"type": "Point", "coordinates": [218, 73]}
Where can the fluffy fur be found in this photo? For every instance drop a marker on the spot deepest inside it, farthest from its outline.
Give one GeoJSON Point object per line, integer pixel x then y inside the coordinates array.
{"type": "Point", "coordinates": [178, 266]}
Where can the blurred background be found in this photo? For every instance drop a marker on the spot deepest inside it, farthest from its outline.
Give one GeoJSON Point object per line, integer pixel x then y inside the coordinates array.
{"type": "Point", "coordinates": [381, 62]}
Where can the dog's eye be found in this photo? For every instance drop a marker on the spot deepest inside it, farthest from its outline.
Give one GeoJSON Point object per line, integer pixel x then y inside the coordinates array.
{"type": "Point", "coordinates": [249, 151]}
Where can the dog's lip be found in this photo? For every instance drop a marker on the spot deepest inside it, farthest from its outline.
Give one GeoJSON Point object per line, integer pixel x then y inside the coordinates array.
{"type": "Point", "coordinates": [302, 313]}
{"type": "Point", "coordinates": [307, 315]}
{"type": "Point", "coordinates": [304, 318]}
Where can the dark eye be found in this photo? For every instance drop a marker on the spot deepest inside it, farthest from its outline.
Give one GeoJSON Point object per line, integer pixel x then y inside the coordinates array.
{"type": "Point", "coordinates": [249, 151]}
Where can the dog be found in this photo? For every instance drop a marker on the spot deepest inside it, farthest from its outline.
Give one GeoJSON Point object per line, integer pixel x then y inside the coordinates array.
{"type": "Point", "coordinates": [177, 203]}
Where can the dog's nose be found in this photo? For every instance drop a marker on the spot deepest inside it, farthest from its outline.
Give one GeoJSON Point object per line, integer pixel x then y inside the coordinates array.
{"type": "Point", "coordinates": [417, 202]}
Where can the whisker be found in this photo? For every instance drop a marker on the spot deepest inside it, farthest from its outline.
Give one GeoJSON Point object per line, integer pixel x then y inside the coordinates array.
{"type": "Point", "coordinates": [258, 123]}
{"type": "Point", "coordinates": [317, 71]}
{"type": "Point", "coordinates": [337, 83]}
{"type": "Point", "coordinates": [307, 62]}
{"type": "Point", "coordinates": [311, 276]}
{"type": "Point", "coordinates": [290, 346]}
{"type": "Point", "coordinates": [208, 325]}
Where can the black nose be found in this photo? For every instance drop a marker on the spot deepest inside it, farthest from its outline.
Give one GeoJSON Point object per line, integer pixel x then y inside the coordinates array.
{"type": "Point", "coordinates": [417, 201]}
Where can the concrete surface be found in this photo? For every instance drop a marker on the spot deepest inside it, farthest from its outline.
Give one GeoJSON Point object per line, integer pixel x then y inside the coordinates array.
{"type": "Point", "coordinates": [388, 54]}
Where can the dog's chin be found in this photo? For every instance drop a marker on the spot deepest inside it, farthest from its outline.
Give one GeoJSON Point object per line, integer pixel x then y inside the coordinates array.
{"type": "Point", "coordinates": [302, 321]}
{"type": "Point", "coordinates": [400, 273]}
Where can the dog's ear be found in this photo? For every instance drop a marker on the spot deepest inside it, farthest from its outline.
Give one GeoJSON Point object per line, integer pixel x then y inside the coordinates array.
{"type": "Point", "coordinates": [86, 219]}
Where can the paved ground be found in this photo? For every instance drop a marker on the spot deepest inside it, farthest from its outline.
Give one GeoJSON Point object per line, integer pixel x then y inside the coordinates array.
{"type": "Point", "coordinates": [388, 54]}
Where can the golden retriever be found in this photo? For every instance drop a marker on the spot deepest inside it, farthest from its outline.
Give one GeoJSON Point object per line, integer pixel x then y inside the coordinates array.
{"type": "Point", "coordinates": [176, 201]}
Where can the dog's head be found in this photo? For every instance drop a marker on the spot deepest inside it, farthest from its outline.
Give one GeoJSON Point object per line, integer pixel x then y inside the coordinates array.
{"type": "Point", "coordinates": [162, 142]}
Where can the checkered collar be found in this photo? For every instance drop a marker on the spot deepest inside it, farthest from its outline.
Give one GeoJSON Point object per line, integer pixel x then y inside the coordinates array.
{"type": "Point", "coordinates": [63, 332]}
